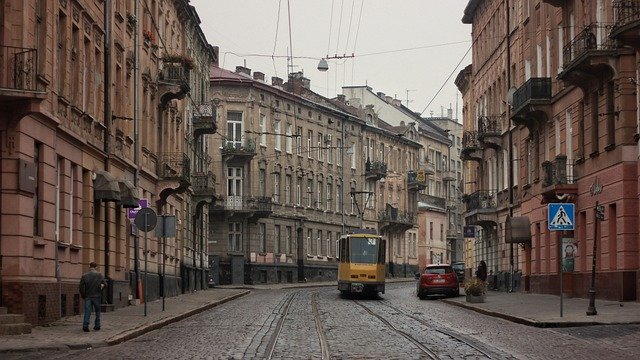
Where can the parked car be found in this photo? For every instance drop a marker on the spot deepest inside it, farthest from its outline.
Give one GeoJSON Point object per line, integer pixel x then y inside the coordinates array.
{"type": "Point", "coordinates": [438, 279]}
{"type": "Point", "coordinates": [458, 267]}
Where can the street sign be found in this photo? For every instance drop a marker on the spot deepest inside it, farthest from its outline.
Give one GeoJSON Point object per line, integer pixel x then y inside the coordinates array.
{"type": "Point", "coordinates": [469, 231]}
{"type": "Point", "coordinates": [561, 216]}
{"type": "Point", "coordinates": [146, 219]}
{"type": "Point", "coordinates": [166, 226]}
{"type": "Point", "coordinates": [142, 203]}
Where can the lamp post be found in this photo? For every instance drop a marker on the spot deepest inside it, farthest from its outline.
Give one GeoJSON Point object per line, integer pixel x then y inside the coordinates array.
{"type": "Point", "coordinates": [599, 216]}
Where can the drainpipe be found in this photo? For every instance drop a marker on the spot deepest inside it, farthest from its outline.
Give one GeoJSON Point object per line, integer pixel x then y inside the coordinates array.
{"type": "Point", "coordinates": [136, 139]}
{"type": "Point", "coordinates": [107, 137]}
{"type": "Point", "coordinates": [510, 150]}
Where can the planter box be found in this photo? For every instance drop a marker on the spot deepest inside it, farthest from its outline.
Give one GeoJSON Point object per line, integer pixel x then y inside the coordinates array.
{"type": "Point", "coordinates": [475, 299]}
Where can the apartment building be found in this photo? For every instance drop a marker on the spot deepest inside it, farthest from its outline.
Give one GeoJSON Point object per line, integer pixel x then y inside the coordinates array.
{"type": "Point", "coordinates": [74, 160]}
{"type": "Point", "coordinates": [429, 177]}
{"type": "Point", "coordinates": [453, 182]}
{"type": "Point", "coordinates": [299, 170]}
{"type": "Point", "coordinates": [566, 70]}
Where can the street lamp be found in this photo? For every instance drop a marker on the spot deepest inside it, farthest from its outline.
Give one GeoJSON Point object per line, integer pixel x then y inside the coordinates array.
{"type": "Point", "coordinates": [324, 66]}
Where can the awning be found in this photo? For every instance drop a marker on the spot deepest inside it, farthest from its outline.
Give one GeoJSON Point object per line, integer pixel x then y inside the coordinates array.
{"type": "Point", "coordinates": [105, 187]}
{"type": "Point", "coordinates": [517, 230]}
{"type": "Point", "coordinates": [129, 195]}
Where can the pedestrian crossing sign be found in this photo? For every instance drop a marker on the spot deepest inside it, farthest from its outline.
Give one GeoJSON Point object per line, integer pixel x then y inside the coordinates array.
{"type": "Point", "coordinates": [561, 216]}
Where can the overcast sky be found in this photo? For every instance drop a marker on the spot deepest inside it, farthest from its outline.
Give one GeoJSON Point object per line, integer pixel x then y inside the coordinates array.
{"type": "Point", "coordinates": [398, 45]}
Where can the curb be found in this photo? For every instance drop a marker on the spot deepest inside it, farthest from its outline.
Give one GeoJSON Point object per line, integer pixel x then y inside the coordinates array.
{"type": "Point", "coordinates": [528, 322]}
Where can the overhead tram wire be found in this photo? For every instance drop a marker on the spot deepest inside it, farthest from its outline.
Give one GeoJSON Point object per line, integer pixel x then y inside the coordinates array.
{"type": "Point", "coordinates": [446, 81]}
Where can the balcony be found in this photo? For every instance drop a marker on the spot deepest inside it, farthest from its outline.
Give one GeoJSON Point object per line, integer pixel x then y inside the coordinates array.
{"type": "Point", "coordinates": [451, 204]}
{"type": "Point", "coordinates": [433, 202]}
{"type": "Point", "coordinates": [393, 221]}
{"type": "Point", "coordinates": [556, 182]}
{"type": "Point", "coordinates": [627, 22]}
{"type": "Point", "coordinates": [490, 131]}
{"type": "Point", "coordinates": [18, 74]}
{"type": "Point", "coordinates": [428, 167]}
{"type": "Point", "coordinates": [243, 150]}
{"type": "Point", "coordinates": [532, 102]}
{"type": "Point", "coordinates": [481, 208]}
{"type": "Point", "coordinates": [204, 120]}
{"type": "Point", "coordinates": [374, 171]}
{"type": "Point", "coordinates": [173, 81]}
{"type": "Point", "coordinates": [174, 171]}
{"type": "Point", "coordinates": [251, 207]}
{"type": "Point", "coordinates": [204, 184]}
{"type": "Point", "coordinates": [587, 57]}
{"type": "Point", "coordinates": [452, 234]}
{"type": "Point", "coordinates": [449, 175]}
{"type": "Point", "coordinates": [174, 166]}
{"type": "Point", "coordinates": [416, 180]}
{"type": "Point", "coordinates": [471, 148]}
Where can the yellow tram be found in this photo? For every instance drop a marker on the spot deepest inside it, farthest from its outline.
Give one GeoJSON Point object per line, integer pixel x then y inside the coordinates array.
{"type": "Point", "coordinates": [362, 262]}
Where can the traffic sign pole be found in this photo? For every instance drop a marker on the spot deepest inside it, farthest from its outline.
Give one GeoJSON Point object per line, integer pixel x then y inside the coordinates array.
{"type": "Point", "coordinates": [145, 262]}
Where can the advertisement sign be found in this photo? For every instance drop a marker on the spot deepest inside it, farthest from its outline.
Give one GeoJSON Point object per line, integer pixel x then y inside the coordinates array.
{"type": "Point", "coordinates": [569, 251]}
{"type": "Point", "coordinates": [469, 231]}
{"type": "Point", "coordinates": [142, 203]}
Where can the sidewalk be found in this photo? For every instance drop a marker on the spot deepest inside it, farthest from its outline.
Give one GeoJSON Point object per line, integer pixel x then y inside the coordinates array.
{"type": "Point", "coordinates": [541, 310]}
{"type": "Point", "coordinates": [117, 326]}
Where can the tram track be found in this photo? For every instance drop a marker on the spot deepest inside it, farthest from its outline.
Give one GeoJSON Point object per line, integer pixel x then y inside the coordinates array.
{"type": "Point", "coordinates": [460, 339]}
{"type": "Point", "coordinates": [413, 340]}
{"type": "Point", "coordinates": [324, 346]}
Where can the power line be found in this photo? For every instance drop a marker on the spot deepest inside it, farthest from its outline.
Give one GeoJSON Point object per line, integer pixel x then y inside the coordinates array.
{"type": "Point", "coordinates": [447, 80]}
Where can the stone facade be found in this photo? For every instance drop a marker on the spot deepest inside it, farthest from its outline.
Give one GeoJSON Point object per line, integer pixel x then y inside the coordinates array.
{"type": "Point", "coordinates": [572, 119]}
{"type": "Point", "coordinates": [298, 170]}
{"type": "Point", "coordinates": [68, 174]}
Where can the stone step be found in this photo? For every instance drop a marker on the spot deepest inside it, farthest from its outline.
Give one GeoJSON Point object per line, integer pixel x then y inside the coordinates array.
{"type": "Point", "coordinates": [11, 318]}
{"type": "Point", "coordinates": [15, 329]}
{"type": "Point", "coordinates": [3, 310]}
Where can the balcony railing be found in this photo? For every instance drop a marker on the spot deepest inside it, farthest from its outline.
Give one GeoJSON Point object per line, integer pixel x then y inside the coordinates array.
{"type": "Point", "coordinates": [533, 89]}
{"type": "Point", "coordinates": [452, 234]}
{"type": "Point", "coordinates": [204, 184]}
{"type": "Point", "coordinates": [481, 200]}
{"type": "Point", "coordinates": [18, 68]}
{"type": "Point", "coordinates": [595, 36]}
{"type": "Point", "coordinates": [626, 12]}
{"type": "Point", "coordinates": [175, 73]}
{"type": "Point", "coordinates": [555, 173]}
{"type": "Point", "coordinates": [489, 125]}
{"type": "Point", "coordinates": [470, 140]}
{"type": "Point", "coordinates": [204, 120]}
{"type": "Point", "coordinates": [395, 216]}
{"type": "Point", "coordinates": [245, 147]}
{"type": "Point", "coordinates": [243, 203]}
{"type": "Point", "coordinates": [434, 201]}
{"type": "Point", "coordinates": [174, 166]}
{"type": "Point", "coordinates": [375, 169]}
{"type": "Point", "coordinates": [429, 168]}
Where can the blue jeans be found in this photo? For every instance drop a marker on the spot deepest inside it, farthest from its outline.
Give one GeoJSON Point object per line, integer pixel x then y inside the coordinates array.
{"type": "Point", "coordinates": [91, 303]}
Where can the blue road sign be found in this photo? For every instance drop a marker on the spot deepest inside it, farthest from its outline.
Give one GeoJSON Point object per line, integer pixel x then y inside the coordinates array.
{"type": "Point", "coordinates": [561, 216]}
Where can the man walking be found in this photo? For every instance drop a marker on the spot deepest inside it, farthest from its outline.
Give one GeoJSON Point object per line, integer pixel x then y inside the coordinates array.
{"type": "Point", "coordinates": [91, 285]}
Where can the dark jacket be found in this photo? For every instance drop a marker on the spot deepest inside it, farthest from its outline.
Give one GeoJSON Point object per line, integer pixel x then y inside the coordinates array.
{"type": "Point", "coordinates": [481, 273]}
{"type": "Point", "coordinates": [90, 284]}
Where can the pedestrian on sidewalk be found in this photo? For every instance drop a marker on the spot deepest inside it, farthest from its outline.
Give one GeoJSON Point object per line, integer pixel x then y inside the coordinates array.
{"type": "Point", "coordinates": [481, 273]}
{"type": "Point", "coordinates": [91, 285]}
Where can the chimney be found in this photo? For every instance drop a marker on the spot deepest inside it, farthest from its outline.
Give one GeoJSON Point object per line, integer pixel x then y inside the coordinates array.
{"type": "Point", "coordinates": [243, 70]}
{"type": "Point", "coordinates": [402, 123]}
{"type": "Point", "coordinates": [397, 102]}
{"type": "Point", "coordinates": [297, 79]}
{"type": "Point", "coordinates": [450, 113]}
{"type": "Point", "coordinates": [257, 75]}
{"type": "Point", "coordinates": [216, 55]}
{"type": "Point", "coordinates": [276, 81]}
{"type": "Point", "coordinates": [381, 95]}
{"type": "Point", "coordinates": [342, 98]}
{"type": "Point", "coordinates": [388, 99]}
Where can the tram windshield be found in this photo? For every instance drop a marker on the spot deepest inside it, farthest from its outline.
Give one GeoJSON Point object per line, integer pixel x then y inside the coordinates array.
{"type": "Point", "coordinates": [364, 250]}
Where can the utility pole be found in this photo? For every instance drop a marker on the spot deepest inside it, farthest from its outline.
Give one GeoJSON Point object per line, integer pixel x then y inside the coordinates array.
{"type": "Point", "coordinates": [510, 142]}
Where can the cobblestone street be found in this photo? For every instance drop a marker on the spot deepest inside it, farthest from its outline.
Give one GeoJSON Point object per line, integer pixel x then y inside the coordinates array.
{"type": "Point", "coordinates": [316, 323]}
